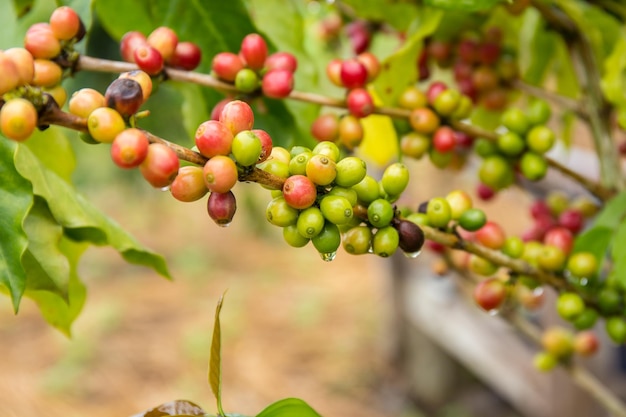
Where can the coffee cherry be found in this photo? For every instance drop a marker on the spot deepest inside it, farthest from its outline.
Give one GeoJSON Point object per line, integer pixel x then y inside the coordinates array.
{"type": "Point", "coordinates": [213, 138]}
{"type": "Point", "coordinates": [321, 169]}
{"type": "Point", "coordinates": [463, 110]}
{"type": "Point", "coordinates": [582, 264]}
{"type": "Point", "coordinates": [411, 236]}
{"type": "Point", "coordinates": [326, 127]}
{"type": "Point", "coordinates": [220, 174]}
{"type": "Point", "coordinates": [414, 144]}
{"type": "Point", "coordinates": [333, 71]}
{"type": "Point", "coordinates": [129, 148]}
{"type": "Point", "coordinates": [310, 222]}
{"type": "Point", "coordinates": [281, 60]}
{"type": "Point", "coordinates": [538, 112]}
{"type": "Point", "coordinates": [395, 179]}
{"type": "Point", "coordinates": [18, 119]}
{"type": "Point", "coordinates": [104, 124]}
{"type": "Point", "coordinates": [490, 294]}
{"type": "Point", "coordinates": [336, 209]}
{"type": "Point", "coordinates": [293, 237]}
{"type": "Point", "coordinates": [360, 102]}
{"type": "Point", "coordinates": [444, 139]}
{"type": "Point", "coordinates": [266, 143]}
{"type": "Point", "coordinates": [246, 148]}
{"type": "Point", "coordinates": [472, 219]}
{"type": "Point", "coordinates": [489, 52]}
{"type": "Point", "coordinates": [85, 101]}
{"type": "Point", "coordinates": [187, 56]}
{"type": "Point", "coordinates": [277, 83]}
{"type": "Point", "coordinates": [585, 320]}
{"type": "Point", "coordinates": [545, 362]}
{"type": "Point", "coordinates": [328, 240]}
{"type": "Point", "coordinates": [144, 80]}
{"type": "Point", "coordinates": [353, 73]}
{"type": "Point", "coordinates": [412, 98]}
{"type": "Point", "coordinates": [350, 131]}
{"type": "Point", "coordinates": [299, 191]}
{"type": "Point", "coordinates": [359, 35]}
{"type": "Point", "coordinates": [148, 59]}
{"type": "Point", "coordinates": [371, 63]}
{"type": "Point", "coordinates": [385, 241]}
{"type": "Point", "coordinates": [446, 103]}
{"type": "Point", "coordinates": [237, 116]}
{"type": "Point", "coordinates": [438, 212]}
{"type": "Point", "coordinates": [533, 166]}
{"type": "Point", "coordinates": [280, 213]}
{"type": "Point", "coordinates": [46, 73]}
{"type": "Point", "coordinates": [572, 220]}
{"type": "Point", "coordinates": [380, 212]}
{"type": "Point", "coordinates": [222, 207]}
{"type": "Point", "coordinates": [246, 80]}
{"type": "Point", "coordinates": [160, 166]}
{"type": "Point", "coordinates": [513, 247]}
{"type": "Point", "coordinates": [440, 51]}
{"type": "Point", "coordinates": [57, 93]}
{"type": "Point", "coordinates": [297, 165]}
{"type": "Point", "coordinates": [64, 23]}
{"type": "Point", "coordinates": [367, 190]}
{"type": "Point", "coordinates": [41, 42]}
{"type": "Point", "coordinates": [467, 50]}
{"type": "Point", "coordinates": [24, 65]}
{"type": "Point", "coordinates": [350, 171]}
{"type": "Point", "coordinates": [496, 172]}
{"type": "Point", "coordinates": [433, 91]}
{"type": "Point", "coordinates": [485, 192]}
{"type": "Point", "coordinates": [540, 139]}
{"type": "Point", "coordinates": [129, 43]}
{"type": "Point", "coordinates": [616, 329]}
{"type": "Point", "coordinates": [511, 144]}
{"type": "Point", "coordinates": [484, 147]}
{"type": "Point", "coordinates": [491, 235]}
{"type": "Point", "coordinates": [424, 120]}
{"type": "Point", "coordinates": [557, 201]}
{"type": "Point", "coordinates": [357, 240]}
{"type": "Point", "coordinates": [569, 305]}
{"type": "Point", "coordinates": [515, 121]}
{"type": "Point", "coordinates": [124, 95]}
{"type": "Point", "coordinates": [495, 99]}
{"type": "Point", "coordinates": [558, 341]}
{"type": "Point", "coordinates": [586, 343]}
{"type": "Point", "coordinates": [559, 237]}
{"type": "Point", "coordinates": [459, 202]}
{"type": "Point", "coordinates": [189, 184]}
{"type": "Point", "coordinates": [226, 65]}
{"type": "Point", "coordinates": [481, 266]}
{"type": "Point", "coordinates": [281, 154]}
{"type": "Point", "coordinates": [164, 40]}
{"type": "Point", "coordinates": [254, 51]}
{"type": "Point", "coordinates": [10, 75]}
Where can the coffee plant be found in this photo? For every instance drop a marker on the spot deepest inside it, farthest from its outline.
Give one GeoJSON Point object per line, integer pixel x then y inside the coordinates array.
{"type": "Point", "coordinates": [324, 105]}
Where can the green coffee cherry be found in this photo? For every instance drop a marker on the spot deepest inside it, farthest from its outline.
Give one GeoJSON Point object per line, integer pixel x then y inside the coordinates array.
{"type": "Point", "coordinates": [385, 241]}
{"type": "Point", "coordinates": [380, 212]}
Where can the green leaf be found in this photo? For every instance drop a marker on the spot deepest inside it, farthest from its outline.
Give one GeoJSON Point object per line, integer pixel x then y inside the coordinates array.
{"type": "Point", "coordinates": [53, 149]}
{"type": "Point", "coordinates": [464, 5]}
{"type": "Point", "coordinates": [22, 6]}
{"type": "Point", "coordinates": [44, 237]}
{"type": "Point", "coordinates": [400, 69]}
{"type": "Point", "coordinates": [215, 361]}
{"type": "Point", "coordinates": [81, 220]}
{"type": "Point", "coordinates": [173, 408]}
{"type": "Point", "coordinates": [613, 212]}
{"type": "Point", "coordinates": [618, 254]}
{"type": "Point", "coordinates": [537, 48]}
{"type": "Point", "coordinates": [289, 407]}
{"type": "Point", "coordinates": [614, 79]}
{"type": "Point", "coordinates": [61, 311]}
{"type": "Point", "coordinates": [397, 14]}
{"type": "Point", "coordinates": [17, 198]}
{"type": "Point", "coordinates": [566, 79]}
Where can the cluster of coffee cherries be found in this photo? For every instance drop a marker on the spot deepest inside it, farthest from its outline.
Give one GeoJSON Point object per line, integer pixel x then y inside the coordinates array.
{"type": "Point", "coordinates": [520, 149]}
{"type": "Point", "coordinates": [253, 68]}
{"type": "Point", "coordinates": [331, 201]}
{"type": "Point", "coordinates": [159, 49]}
{"type": "Point", "coordinates": [359, 32]}
{"type": "Point", "coordinates": [31, 75]}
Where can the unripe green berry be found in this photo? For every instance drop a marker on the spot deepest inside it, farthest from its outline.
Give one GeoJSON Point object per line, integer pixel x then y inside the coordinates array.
{"type": "Point", "coordinates": [310, 222]}
{"type": "Point", "coordinates": [395, 179]}
{"type": "Point", "coordinates": [385, 241]}
{"type": "Point", "coordinates": [380, 212]}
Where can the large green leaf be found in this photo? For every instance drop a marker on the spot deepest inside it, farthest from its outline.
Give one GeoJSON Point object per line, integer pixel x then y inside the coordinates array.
{"type": "Point", "coordinates": [289, 407]}
{"type": "Point", "coordinates": [81, 220]}
{"type": "Point", "coordinates": [618, 254]}
{"type": "Point", "coordinates": [215, 361]}
{"type": "Point", "coordinates": [61, 311]}
{"type": "Point", "coordinates": [464, 5]}
{"type": "Point", "coordinates": [394, 13]}
{"type": "Point", "coordinates": [17, 197]}
{"type": "Point", "coordinates": [537, 48]}
{"type": "Point", "coordinates": [14, 27]}
{"type": "Point", "coordinates": [400, 69]}
{"type": "Point", "coordinates": [614, 78]}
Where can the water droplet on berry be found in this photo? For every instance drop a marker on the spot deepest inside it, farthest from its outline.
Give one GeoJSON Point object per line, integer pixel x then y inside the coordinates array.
{"type": "Point", "coordinates": [329, 256]}
{"type": "Point", "coordinates": [223, 224]}
{"type": "Point", "coordinates": [166, 188]}
{"type": "Point", "coordinates": [494, 312]}
{"type": "Point", "coordinates": [412, 255]}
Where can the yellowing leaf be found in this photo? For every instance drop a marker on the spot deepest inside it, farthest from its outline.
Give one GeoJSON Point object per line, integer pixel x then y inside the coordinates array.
{"type": "Point", "coordinates": [380, 141]}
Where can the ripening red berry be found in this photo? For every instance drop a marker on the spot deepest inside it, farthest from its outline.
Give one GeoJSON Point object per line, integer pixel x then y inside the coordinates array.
{"type": "Point", "coordinates": [491, 235]}
{"type": "Point", "coordinates": [64, 23]}
{"type": "Point", "coordinates": [371, 63]}
{"type": "Point", "coordinates": [220, 174]}
{"type": "Point", "coordinates": [266, 143]}
{"type": "Point", "coordinates": [10, 75]}
{"type": "Point", "coordinates": [46, 73]}
{"type": "Point", "coordinates": [226, 65]}
{"type": "Point", "coordinates": [131, 41]}
{"type": "Point", "coordinates": [539, 208]}
{"type": "Point", "coordinates": [164, 40]}
{"type": "Point", "coordinates": [148, 59]}
{"type": "Point", "coordinates": [141, 77]}
{"type": "Point", "coordinates": [18, 119]}
{"type": "Point", "coordinates": [213, 138]}
{"type": "Point", "coordinates": [488, 52]}
{"type": "Point", "coordinates": [187, 56]}
{"type": "Point", "coordinates": [281, 60]}
{"type": "Point", "coordinates": [353, 73]}
{"type": "Point", "coordinates": [424, 120]}
{"type": "Point", "coordinates": [299, 192]}
{"type": "Point", "coordinates": [350, 131]}
{"type": "Point", "coordinates": [434, 89]}
{"type": "Point", "coordinates": [222, 207]}
{"type": "Point", "coordinates": [559, 237]}
{"type": "Point", "coordinates": [462, 71]}
{"type": "Point", "coordinates": [440, 51]}
{"type": "Point", "coordinates": [84, 101]}
{"type": "Point", "coordinates": [24, 64]}
{"type": "Point", "coordinates": [129, 148]}
{"type": "Point", "coordinates": [444, 139]}
{"type": "Point", "coordinates": [41, 42]}
{"type": "Point", "coordinates": [189, 184]}
{"type": "Point", "coordinates": [586, 343]}
{"type": "Point", "coordinates": [360, 102]}
{"type": "Point", "coordinates": [485, 192]}
{"type": "Point", "coordinates": [326, 127]}
{"type": "Point", "coordinates": [333, 71]}
{"type": "Point", "coordinates": [160, 166]}
{"type": "Point", "coordinates": [359, 36]}
{"type": "Point", "coordinates": [467, 51]}
{"type": "Point", "coordinates": [463, 140]}
{"type": "Point", "coordinates": [490, 293]}
{"type": "Point", "coordinates": [485, 78]}
{"type": "Point", "coordinates": [254, 51]}
{"type": "Point", "coordinates": [495, 99]}
{"type": "Point", "coordinates": [277, 83]}
{"type": "Point", "coordinates": [219, 106]}
{"type": "Point", "coordinates": [237, 116]}
{"type": "Point", "coordinates": [572, 219]}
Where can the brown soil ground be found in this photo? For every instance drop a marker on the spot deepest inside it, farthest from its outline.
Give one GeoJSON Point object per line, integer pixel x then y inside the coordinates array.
{"type": "Point", "coordinates": [293, 325]}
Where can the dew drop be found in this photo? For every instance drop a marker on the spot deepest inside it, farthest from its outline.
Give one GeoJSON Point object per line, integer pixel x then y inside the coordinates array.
{"type": "Point", "coordinates": [223, 224]}
{"type": "Point", "coordinates": [493, 312]}
{"type": "Point", "coordinates": [412, 255]}
{"type": "Point", "coordinates": [166, 188]}
{"type": "Point", "coordinates": [328, 256]}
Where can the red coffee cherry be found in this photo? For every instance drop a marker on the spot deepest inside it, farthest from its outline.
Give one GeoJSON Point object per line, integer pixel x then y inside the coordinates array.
{"type": "Point", "coordinates": [424, 120]}
{"type": "Point", "coordinates": [360, 102]}
{"type": "Point", "coordinates": [160, 166]}
{"type": "Point", "coordinates": [84, 101]}
{"type": "Point", "coordinates": [491, 235]}
{"type": "Point", "coordinates": [219, 106]}
{"type": "Point", "coordinates": [213, 138]}
{"type": "Point", "coordinates": [333, 71]}
{"type": "Point", "coordinates": [490, 294]}
{"type": "Point", "coordinates": [222, 207]}
{"type": "Point", "coordinates": [254, 51]}
{"type": "Point", "coordinates": [220, 174]}
{"type": "Point", "coordinates": [266, 143]}
{"type": "Point", "coordinates": [64, 23]}
{"type": "Point", "coordinates": [129, 148]}
{"type": "Point", "coordinates": [41, 42]}
{"type": "Point", "coordinates": [277, 83]}
{"type": "Point", "coordinates": [326, 127]}
{"type": "Point", "coordinates": [371, 63]}
{"type": "Point", "coordinates": [353, 73]}
{"type": "Point", "coordinates": [226, 65]}
{"type": "Point", "coordinates": [444, 139]}
{"type": "Point", "coordinates": [359, 35]}
{"type": "Point", "coordinates": [237, 116]}
{"type": "Point", "coordinates": [46, 73]}
{"type": "Point", "coordinates": [189, 184]}
{"type": "Point", "coordinates": [164, 40]}
{"type": "Point", "coordinates": [281, 60]}
{"type": "Point", "coordinates": [148, 59]}
{"type": "Point", "coordinates": [187, 56]}
{"type": "Point", "coordinates": [131, 41]}
{"type": "Point", "coordinates": [433, 91]}
{"type": "Point", "coordinates": [299, 192]}
{"type": "Point", "coordinates": [350, 131]}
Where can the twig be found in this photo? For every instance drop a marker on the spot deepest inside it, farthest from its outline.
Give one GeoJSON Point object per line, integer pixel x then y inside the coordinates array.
{"type": "Point", "coordinates": [565, 102]}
